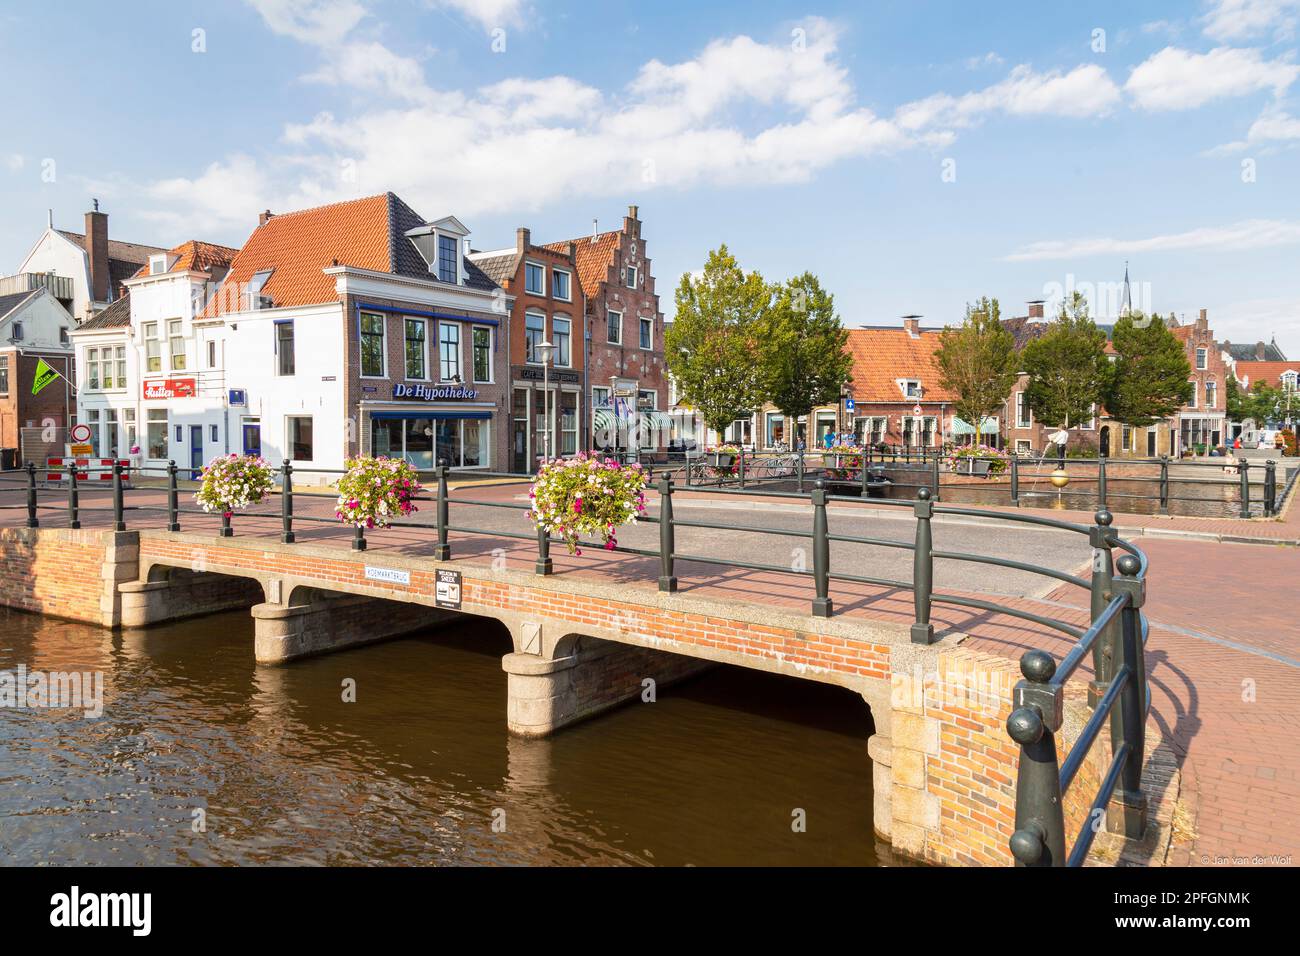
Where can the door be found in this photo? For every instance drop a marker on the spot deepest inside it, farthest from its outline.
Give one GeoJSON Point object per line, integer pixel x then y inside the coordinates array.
{"type": "Point", "coordinates": [1151, 443]}
{"type": "Point", "coordinates": [520, 463]}
{"type": "Point", "coordinates": [1105, 441]}
{"type": "Point", "coordinates": [196, 450]}
{"type": "Point", "coordinates": [253, 438]}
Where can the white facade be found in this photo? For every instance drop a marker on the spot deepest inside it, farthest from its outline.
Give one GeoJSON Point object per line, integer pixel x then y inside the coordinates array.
{"type": "Point", "coordinates": [56, 253]}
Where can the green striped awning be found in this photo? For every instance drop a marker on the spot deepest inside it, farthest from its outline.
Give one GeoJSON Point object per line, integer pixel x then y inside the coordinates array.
{"type": "Point", "coordinates": [960, 427]}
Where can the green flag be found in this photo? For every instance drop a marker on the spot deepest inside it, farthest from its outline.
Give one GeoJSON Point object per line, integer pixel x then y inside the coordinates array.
{"type": "Point", "coordinates": [45, 374]}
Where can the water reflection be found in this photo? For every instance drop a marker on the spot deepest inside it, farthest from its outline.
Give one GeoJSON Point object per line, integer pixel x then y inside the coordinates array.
{"type": "Point", "coordinates": [202, 757]}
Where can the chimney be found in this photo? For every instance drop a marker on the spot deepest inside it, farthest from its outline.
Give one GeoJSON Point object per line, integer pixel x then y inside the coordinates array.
{"type": "Point", "coordinates": [632, 225]}
{"type": "Point", "coordinates": [1203, 321]}
{"type": "Point", "coordinates": [1035, 308]}
{"type": "Point", "coordinates": [523, 239]}
{"type": "Point", "coordinates": [594, 228]}
{"type": "Point", "coordinates": [264, 217]}
{"type": "Point", "coordinates": [913, 325]}
{"type": "Point", "coordinates": [1259, 351]}
{"type": "Point", "coordinates": [97, 251]}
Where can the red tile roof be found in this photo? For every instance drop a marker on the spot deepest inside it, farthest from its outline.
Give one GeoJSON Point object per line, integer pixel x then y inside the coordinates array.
{"type": "Point", "coordinates": [1270, 372]}
{"type": "Point", "coordinates": [196, 256]}
{"type": "Point", "coordinates": [882, 356]}
{"type": "Point", "coordinates": [593, 256]}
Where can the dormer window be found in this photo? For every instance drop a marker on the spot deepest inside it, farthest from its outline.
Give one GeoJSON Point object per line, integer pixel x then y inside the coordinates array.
{"type": "Point", "coordinates": [158, 264]}
{"type": "Point", "coordinates": [911, 387]}
{"type": "Point", "coordinates": [448, 253]}
{"type": "Point", "coordinates": [254, 299]}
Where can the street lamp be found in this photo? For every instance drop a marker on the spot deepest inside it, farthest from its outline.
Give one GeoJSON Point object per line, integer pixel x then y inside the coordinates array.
{"type": "Point", "coordinates": [545, 350]}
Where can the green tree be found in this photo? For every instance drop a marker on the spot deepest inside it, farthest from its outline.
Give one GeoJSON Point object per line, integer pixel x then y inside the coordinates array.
{"type": "Point", "coordinates": [1067, 365]}
{"type": "Point", "coordinates": [1261, 403]}
{"type": "Point", "coordinates": [804, 354]}
{"type": "Point", "coordinates": [977, 362]}
{"type": "Point", "coordinates": [1149, 380]}
{"type": "Point", "coordinates": [711, 346]}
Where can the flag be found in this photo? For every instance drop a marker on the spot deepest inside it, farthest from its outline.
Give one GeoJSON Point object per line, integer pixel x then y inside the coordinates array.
{"type": "Point", "coordinates": [45, 374]}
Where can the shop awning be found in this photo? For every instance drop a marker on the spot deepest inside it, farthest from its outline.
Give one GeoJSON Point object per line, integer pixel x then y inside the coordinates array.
{"type": "Point", "coordinates": [604, 419]}
{"type": "Point", "coordinates": [959, 427]}
{"type": "Point", "coordinates": [429, 413]}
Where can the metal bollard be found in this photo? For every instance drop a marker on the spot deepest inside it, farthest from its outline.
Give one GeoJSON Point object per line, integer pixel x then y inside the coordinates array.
{"type": "Point", "coordinates": [544, 565]}
{"type": "Point", "coordinates": [1101, 484]}
{"type": "Point", "coordinates": [667, 543]}
{"type": "Point", "coordinates": [1015, 481]}
{"type": "Point", "coordinates": [1270, 488]}
{"type": "Point", "coordinates": [821, 605]}
{"type": "Point", "coordinates": [173, 499]}
{"type": "Point", "coordinates": [32, 520]}
{"type": "Point", "coordinates": [74, 519]}
{"type": "Point", "coordinates": [119, 520]}
{"type": "Point", "coordinates": [1245, 487]}
{"type": "Point", "coordinates": [1164, 484]}
{"type": "Point", "coordinates": [286, 502]}
{"type": "Point", "coordinates": [923, 569]}
{"type": "Point", "coordinates": [442, 552]}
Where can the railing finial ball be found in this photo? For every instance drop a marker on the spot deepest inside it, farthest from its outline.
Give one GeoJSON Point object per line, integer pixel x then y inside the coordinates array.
{"type": "Point", "coordinates": [1128, 565]}
{"type": "Point", "coordinates": [923, 494]}
{"type": "Point", "coordinates": [820, 485]}
{"type": "Point", "coordinates": [1027, 846]}
{"type": "Point", "coordinates": [1037, 666]}
{"type": "Point", "coordinates": [1025, 726]}
{"type": "Point", "coordinates": [1104, 518]}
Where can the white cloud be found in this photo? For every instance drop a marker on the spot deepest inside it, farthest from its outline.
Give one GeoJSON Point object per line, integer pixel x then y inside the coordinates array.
{"type": "Point", "coordinates": [1083, 92]}
{"type": "Point", "coordinates": [1247, 234]}
{"type": "Point", "coordinates": [317, 22]}
{"type": "Point", "coordinates": [1246, 19]}
{"type": "Point", "coordinates": [487, 13]}
{"type": "Point", "coordinates": [15, 162]}
{"type": "Point", "coordinates": [1176, 79]}
{"type": "Point", "coordinates": [988, 59]}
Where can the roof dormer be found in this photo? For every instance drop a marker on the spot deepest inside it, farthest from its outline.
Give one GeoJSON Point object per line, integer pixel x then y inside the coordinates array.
{"type": "Point", "coordinates": [441, 244]}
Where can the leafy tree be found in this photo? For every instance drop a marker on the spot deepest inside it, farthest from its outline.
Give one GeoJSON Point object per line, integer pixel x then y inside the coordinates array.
{"type": "Point", "coordinates": [1258, 403]}
{"type": "Point", "coordinates": [977, 362]}
{"type": "Point", "coordinates": [1150, 376]}
{"type": "Point", "coordinates": [1067, 365]}
{"type": "Point", "coordinates": [804, 356]}
{"type": "Point", "coordinates": [710, 347]}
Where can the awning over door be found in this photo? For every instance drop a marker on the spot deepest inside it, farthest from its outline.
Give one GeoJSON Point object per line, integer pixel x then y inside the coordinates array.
{"type": "Point", "coordinates": [960, 427]}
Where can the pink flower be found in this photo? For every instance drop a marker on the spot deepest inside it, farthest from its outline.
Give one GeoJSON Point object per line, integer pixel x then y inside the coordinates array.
{"type": "Point", "coordinates": [610, 544]}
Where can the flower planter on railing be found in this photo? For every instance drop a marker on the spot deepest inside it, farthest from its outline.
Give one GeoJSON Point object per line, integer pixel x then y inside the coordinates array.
{"type": "Point", "coordinates": [374, 491]}
{"type": "Point", "coordinates": [587, 495]}
{"type": "Point", "coordinates": [231, 483]}
{"type": "Point", "coordinates": [722, 460]}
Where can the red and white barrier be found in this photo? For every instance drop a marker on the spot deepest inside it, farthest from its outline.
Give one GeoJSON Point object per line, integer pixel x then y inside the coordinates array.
{"type": "Point", "coordinates": [88, 469]}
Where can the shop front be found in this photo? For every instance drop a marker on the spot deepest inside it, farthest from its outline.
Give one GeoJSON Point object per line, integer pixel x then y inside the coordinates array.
{"type": "Point", "coordinates": [428, 424]}
{"type": "Point", "coordinates": [529, 410]}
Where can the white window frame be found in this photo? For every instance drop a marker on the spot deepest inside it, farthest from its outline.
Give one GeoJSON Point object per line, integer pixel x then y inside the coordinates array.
{"type": "Point", "coordinates": [1211, 393]}
{"type": "Point", "coordinates": [149, 336]}
{"type": "Point", "coordinates": [158, 264]}
{"type": "Point", "coordinates": [383, 345]}
{"type": "Point", "coordinates": [491, 354]}
{"type": "Point", "coordinates": [540, 267]}
{"type": "Point", "coordinates": [405, 342]}
{"type": "Point", "coordinates": [906, 385]}
{"type": "Point", "coordinates": [634, 272]}
{"type": "Point", "coordinates": [1290, 381]}
{"type": "Point", "coordinates": [568, 284]}
{"type": "Point", "coordinates": [288, 439]}
{"type": "Point", "coordinates": [1020, 402]}
{"type": "Point", "coordinates": [644, 322]}
{"type": "Point", "coordinates": [1196, 388]}
{"type": "Point", "coordinates": [597, 403]}
{"type": "Point", "coordinates": [1202, 359]}
{"type": "Point", "coordinates": [530, 357]}
{"type": "Point", "coordinates": [1024, 447]}
{"type": "Point", "coordinates": [460, 363]}
{"type": "Point", "coordinates": [619, 340]}
{"type": "Point", "coordinates": [568, 340]}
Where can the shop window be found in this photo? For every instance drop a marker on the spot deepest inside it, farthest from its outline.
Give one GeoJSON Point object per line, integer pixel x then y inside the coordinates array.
{"type": "Point", "coordinates": [299, 437]}
{"type": "Point", "coordinates": [156, 432]}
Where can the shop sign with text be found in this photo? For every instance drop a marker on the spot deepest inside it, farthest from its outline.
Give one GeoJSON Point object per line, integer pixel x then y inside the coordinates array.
{"type": "Point", "coordinates": [165, 388]}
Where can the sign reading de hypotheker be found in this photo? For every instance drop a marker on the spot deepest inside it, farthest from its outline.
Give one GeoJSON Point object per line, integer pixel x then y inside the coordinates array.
{"type": "Point", "coordinates": [448, 590]}
{"type": "Point", "coordinates": [163, 388]}
{"type": "Point", "coordinates": [432, 393]}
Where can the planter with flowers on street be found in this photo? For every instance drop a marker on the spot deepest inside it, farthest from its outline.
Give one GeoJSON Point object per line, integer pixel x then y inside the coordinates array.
{"type": "Point", "coordinates": [587, 496]}
{"type": "Point", "coordinates": [375, 491]}
{"type": "Point", "coordinates": [230, 483]}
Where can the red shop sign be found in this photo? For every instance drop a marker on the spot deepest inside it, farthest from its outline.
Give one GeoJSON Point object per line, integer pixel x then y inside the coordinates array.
{"type": "Point", "coordinates": [170, 388]}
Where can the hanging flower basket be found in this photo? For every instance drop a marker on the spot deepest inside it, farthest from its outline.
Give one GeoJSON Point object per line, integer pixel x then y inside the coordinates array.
{"type": "Point", "coordinates": [587, 496]}
{"type": "Point", "coordinates": [843, 463]}
{"type": "Point", "coordinates": [375, 491]}
{"type": "Point", "coordinates": [232, 482]}
{"type": "Point", "coordinates": [963, 460]}
{"type": "Point", "coordinates": [722, 460]}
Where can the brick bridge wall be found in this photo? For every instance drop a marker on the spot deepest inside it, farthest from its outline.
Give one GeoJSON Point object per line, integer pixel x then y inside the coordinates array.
{"type": "Point", "coordinates": [943, 767]}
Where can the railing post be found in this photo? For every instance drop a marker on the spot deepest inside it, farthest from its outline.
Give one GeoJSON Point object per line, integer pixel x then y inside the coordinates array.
{"type": "Point", "coordinates": [74, 519]}
{"type": "Point", "coordinates": [1129, 799]}
{"type": "Point", "coordinates": [923, 569]}
{"type": "Point", "coordinates": [799, 466]}
{"type": "Point", "coordinates": [544, 565]}
{"type": "Point", "coordinates": [119, 520]}
{"type": "Point", "coordinates": [1270, 488]}
{"type": "Point", "coordinates": [286, 502]}
{"type": "Point", "coordinates": [742, 467]}
{"type": "Point", "coordinates": [1244, 467]}
{"type": "Point", "coordinates": [1164, 484]}
{"type": "Point", "coordinates": [865, 468]}
{"type": "Point", "coordinates": [1015, 480]}
{"type": "Point", "coordinates": [1105, 650]}
{"type": "Point", "coordinates": [173, 499]}
{"type": "Point", "coordinates": [667, 539]}
{"type": "Point", "coordinates": [442, 552]}
{"type": "Point", "coordinates": [821, 605]}
{"type": "Point", "coordinates": [1101, 483]}
{"type": "Point", "coordinates": [1039, 837]}
{"type": "Point", "coordinates": [226, 530]}
{"type": "Point", "coordinates": [359, 538]}
{"type": "Point", "coordinates": [935, 478]}
{"type": "Point", "coordinates": [32, 520]}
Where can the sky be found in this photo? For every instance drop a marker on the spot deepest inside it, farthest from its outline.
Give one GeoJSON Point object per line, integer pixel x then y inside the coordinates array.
{"type": "Point", "coordinates": [914, 155]}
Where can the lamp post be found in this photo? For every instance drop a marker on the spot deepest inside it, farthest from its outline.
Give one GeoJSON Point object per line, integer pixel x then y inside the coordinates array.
{"type": "Point", "coordinates": [613, 409]}
{"type": "Point", "coordinates": [545, 350]}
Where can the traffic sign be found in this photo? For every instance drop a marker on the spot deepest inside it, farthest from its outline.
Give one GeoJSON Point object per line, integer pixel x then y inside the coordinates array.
{"type": "Point", "coordinates": [916, 409]}
{"type": "Point", "coordinates": [80, 434]}
{"type": "Point", "coordinates": [849, 404]}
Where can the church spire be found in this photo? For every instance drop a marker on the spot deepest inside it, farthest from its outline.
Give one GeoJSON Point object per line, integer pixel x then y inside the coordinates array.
{"type": "Point", "coordinates": [1126, 305]}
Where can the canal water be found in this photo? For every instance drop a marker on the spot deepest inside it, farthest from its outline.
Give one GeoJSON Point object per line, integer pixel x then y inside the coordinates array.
{"type": "Point", "coordinates": [201, 757]}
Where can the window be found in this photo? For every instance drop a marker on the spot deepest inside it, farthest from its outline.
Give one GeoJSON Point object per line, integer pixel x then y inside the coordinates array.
{"type": "Point", "coordinates": [152, 347]}
{"type": "Point", "coordinates": [158, 264]}
{"type": "Point", "coordinates": [180, 434]}
{"type": "Point", "coordinates": [646, 400]}
{"type": "Point", "coordinates": [253, 291]}
{"type": "Point", "coordinates": [600, 397]}
{"type": "Point", "coordinates": [534, 335]}
{"type": "Point", "coordinates": [647, 333]}
{"type": "Point", "coordinates": [482, 341]}
{"type": "Point", "coordinates": [912, 388]}
{"type": "Point", "coordinates": [1191, 402]}
{"type": "Point", "coordinates": [560, 339]}
{"type": "Point", "coordinates": [447, 267]}
{"type": "Point", "coordinates": [298, 437]}
{"type": "Point", "coordinates": [110, 444]}
{"type": "Point", "coordinates": [1290, 381]}
{"type": "Point", "coordinates": [1023, 447]}
{"type": "Point", "coordinates": [1201, 357]}
{"type": "Point", "coordinates": [1211, 393]}
{"type": "Point", "coordinates": [212, 353]}
{"type": "Point", "coordinates": [534, 278]}
{"type": "Point", "coordinates": [17, 331]}
{"type": "Point", "coordinates": [1091, 423]}
{"type": "Point", "coordinates": [128, 417]}
{"type": "Point", "coordinates": [415, 364]}
{"type": "Point", "coordinates": [63, 335]}
{"type": "Point", "coordinates": [560, 284]}
{"type": "Point", "coordinates": [4, 375]}
{"type": "Point", "coordinates": [614, 335]}
{"type": "Point", "coordinates": [92, 420]}
{"type": "Point", "coordinates": [284, 355]}
{"type": "Point", "coordinates": [176, 343]}
{"type": "Point", "coordinates": [775, 431]}
{"type": "Point", "coordinates": [1024, 417]}
{"type": "Point", "coordinates": [212, 433]}
{"type": "Point", "coordinates": [156, 432]}
{"type": "Point", "coordinates": [1126, 437]}
{"type": "Point", "coordinates": [629, 277]}
{"type": "Point", "coordinates": [449, 349]}
{"type": "Point", "coordinates": [568, 423]}
{"type": "Point", "coordinates": [92, 368]}
{"type": "Point", "coordinates": [372, 345]}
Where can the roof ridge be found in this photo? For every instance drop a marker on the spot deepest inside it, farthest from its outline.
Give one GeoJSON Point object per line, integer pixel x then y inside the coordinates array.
{"type": "Point", "coordinates": [327, 205]}
{"type": "Point", "coordinates": [599, 235]}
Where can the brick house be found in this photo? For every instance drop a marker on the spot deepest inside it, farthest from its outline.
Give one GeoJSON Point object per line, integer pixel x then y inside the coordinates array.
{"type": "Point", "coordinates": [896, 392]}
{"type": "Point", "coordinates": [363, 328]}
{"type": "Point", "coordinates": [623, 336]}
{"type": "Point", "coordinates": [547, 304]}
{"type": "Point", "coordinates": [1202, 422]}
{"type": "Point", "coordinates": [34, 325]}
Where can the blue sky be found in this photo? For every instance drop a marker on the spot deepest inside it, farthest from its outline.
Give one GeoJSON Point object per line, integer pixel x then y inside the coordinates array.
{"type": "Point", "coordinates": [915, 155]}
